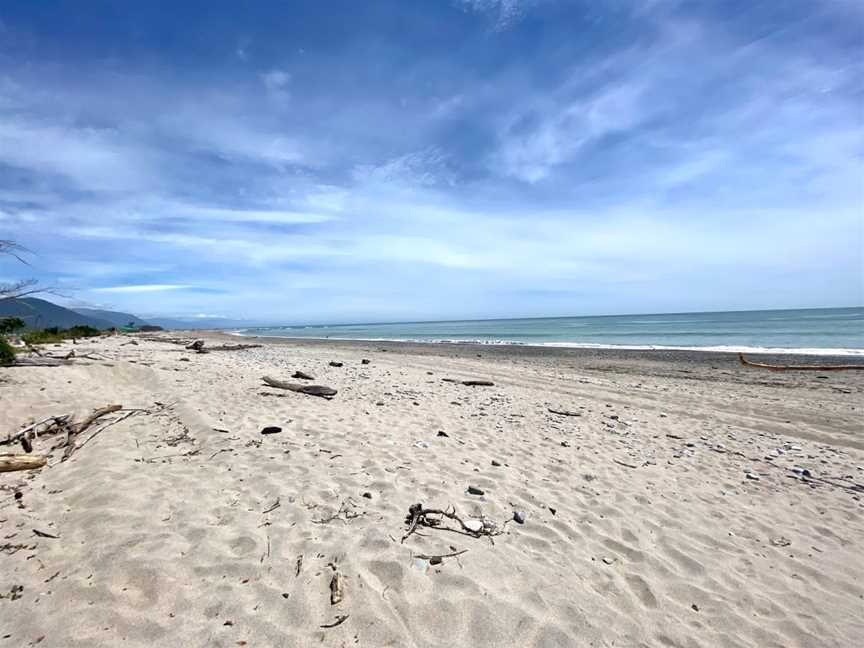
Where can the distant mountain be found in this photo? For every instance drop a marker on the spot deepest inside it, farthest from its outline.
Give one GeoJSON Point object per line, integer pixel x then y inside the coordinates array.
{"type": "Point", "coordinates": [39, 314]}
{"type": "Point", "coordinates": [117, 318]}
{"type": "Point", "coordinates": [196, 323]}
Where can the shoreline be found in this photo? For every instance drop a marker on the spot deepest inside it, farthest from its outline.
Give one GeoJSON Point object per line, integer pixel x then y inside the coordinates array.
{"type": "Point", "coordinates": [691, 354]}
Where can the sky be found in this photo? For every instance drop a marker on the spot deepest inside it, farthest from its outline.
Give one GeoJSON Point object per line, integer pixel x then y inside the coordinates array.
{"type": "Point", "coordinates": [343, 161]}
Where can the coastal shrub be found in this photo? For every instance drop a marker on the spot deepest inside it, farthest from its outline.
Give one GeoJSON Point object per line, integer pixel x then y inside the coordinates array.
{"type": "Point", "coordinates": [7, 353]}
{"type": "Point", "coordinates": [53, 334]}
{"type": "Point", "coordinates": [10, 325]}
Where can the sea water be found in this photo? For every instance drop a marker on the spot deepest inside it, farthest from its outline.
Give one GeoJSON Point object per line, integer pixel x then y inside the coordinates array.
{"type": "Point", "coordinates": [816, 331]}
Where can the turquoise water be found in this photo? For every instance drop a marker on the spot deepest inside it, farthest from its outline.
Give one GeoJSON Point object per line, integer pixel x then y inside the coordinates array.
{"type": "Point", "coordinates": [828, 330]}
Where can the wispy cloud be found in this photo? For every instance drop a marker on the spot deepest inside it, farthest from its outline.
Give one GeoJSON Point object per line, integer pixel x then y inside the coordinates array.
{"type": "Point", "coordinates": [145, 288]}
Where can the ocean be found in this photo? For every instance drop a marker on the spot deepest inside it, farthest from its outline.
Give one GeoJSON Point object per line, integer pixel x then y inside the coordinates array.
{"type": "Point", "coordinates": [820, 331]}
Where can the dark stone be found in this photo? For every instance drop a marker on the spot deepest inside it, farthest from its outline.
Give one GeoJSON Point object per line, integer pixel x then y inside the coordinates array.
{"type": "Point", "coordinates": [367, 495]}
{"type": "Point", "coordinates": [333, 363]}
{"type": "Point", "coordinates": [442, 433]}
{"type": "Point", "coordinates": [552, 510]}
{"type": "Point", "coordinates": [473, 490]}
{"type": "Point", "coordinates": [519, 517]}
{"type": "Point", "coordinates": [302, 375]}
{"type": "Point", "coordinates": [271, 430]}
{"type": "Point", "coordinates": [18, 495]}
{"type": "Point", "coordinates": [435, 560]}
{"type": "Point", "coordinates": [26, 445]}
{"type": "Point", "coordinates": [495, 463]}
{"type": "Point", "coordinates": [478, 383]}
{"type": "Point", "coordinates": [364, 361]}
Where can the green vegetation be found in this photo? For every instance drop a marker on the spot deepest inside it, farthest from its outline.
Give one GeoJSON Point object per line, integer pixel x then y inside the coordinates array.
{"type": "Point", "coordinates": [9, 325]}
{"type": "Point", "coordinates": [7, 353]}
{"type": "Point", "coordinates": [55, 334]}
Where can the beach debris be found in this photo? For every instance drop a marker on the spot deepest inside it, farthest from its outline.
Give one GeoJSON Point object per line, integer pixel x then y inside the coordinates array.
{"type": "Point", "coordinates": [365, 361]}
{"type": "Point", "coordinates": [26, 445]}
{"type": "Point", "coordinates": [470, 383]}
{"type": "Point", "coordinates": [780, 541]}
{"type": "Point", "coordinates": [336, 592]}
{"type": "Point", "coordinates": [233, 347]}
{"type": "Point", "coordinates": [45, 534]}
{"type": "Point", "coordinates": [299, 565]}
{"type": "Point", "coordinates": [519, 517]}
{"type": "Point", "coordinates": [339, 620]}
{"type": "Point", "coordinates": [563, 412]}
{"type": "Point", "coordinates": [272, 507]}
{"type": "Point", "coordinates": [311, 390]}
{"type": "Point", "coordinates": [771, 367]}
{"type": "Point", "coordinates": [14, 594]}
{"type": "Point", "coordinates": [423, 445]}
{"type": "Point", "coordinates": [302, 375]}
{"type": "Point", "coordinates": [433, 518]}
{"type": "Point", "coordinates": [272, 429]}
{"type": "Point", "coordinates": [473, 490]}
{"type": "Point", "coordinates": [496, 464]}
{"type": "Point", "coordinates": [367, 495]}
{"type": "Point", "coordinates": [625, 464]}
{"type": "Point", "coordinates": [197, 346]}
{"type": "Point", "coordinates": [473, 525]}
{"type": "Point", "coordinates": [442, 433]}
{"type": "Point", "coordinates": [13, 462]}
{"type": "Point", "coordinates": [343, 513]}
{"type": "Point", "coordinates": [333, 363]}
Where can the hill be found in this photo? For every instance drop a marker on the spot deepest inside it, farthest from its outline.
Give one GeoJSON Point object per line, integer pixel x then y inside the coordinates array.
{"type": "Point", "coordinates": [117, 318]}
{"type": "Point", "coordinates": [39, 314]}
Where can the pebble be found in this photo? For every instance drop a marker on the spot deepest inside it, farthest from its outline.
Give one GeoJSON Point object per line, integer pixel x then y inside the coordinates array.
{"type": "Point", "coordinates": [271, 430]}
{"type": "Point", "coordinates": [442, 433]}
{"type": "Point", "coordinates": [333, 363]}
{"type": "Point", "coordinates": [519, 517]}
{"type": "Point", "coordinates": [495, 463]}
{"type": "Point", "coordinates": [364, 361]}
{"type": "Point", "coordinates": [367, 495]}
{"type": "Point", "coordinates": [474, 526]}
{"type": "Point", "coordinates": [473, 490]}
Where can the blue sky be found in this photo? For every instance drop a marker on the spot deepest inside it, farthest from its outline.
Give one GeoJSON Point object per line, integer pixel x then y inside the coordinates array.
{"type": "Point", "coordinates": [356, 161]}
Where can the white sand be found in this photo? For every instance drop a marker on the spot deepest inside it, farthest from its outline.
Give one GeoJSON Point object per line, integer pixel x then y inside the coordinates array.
{"type": "Point", "coordinates": [163, 540]}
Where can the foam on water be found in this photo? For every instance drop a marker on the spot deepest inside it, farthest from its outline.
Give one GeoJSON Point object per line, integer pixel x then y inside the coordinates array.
{"type": "Point", "coordinates": [837, 331]}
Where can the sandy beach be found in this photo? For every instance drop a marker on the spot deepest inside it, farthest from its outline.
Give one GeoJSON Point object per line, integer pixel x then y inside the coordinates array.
{"type": "Point", "coordinates": [666, 499]}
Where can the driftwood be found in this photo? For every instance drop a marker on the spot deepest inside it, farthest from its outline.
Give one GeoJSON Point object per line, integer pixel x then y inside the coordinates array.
{"type": "Point", "coordinates": [339, 620]}
{"type": "Point", "coordinates": [311, 390]}
{"type": "Point", "coordinates": [770, 367]}
{"type": "Point", "coordinates": [40, 362]}
{"type": "Point", "coordinates": [470, 383]}
{"type": "Point", "coordinates": [561, 412]}
{"type": "Point", "coordinates": [233, 347]}
{"type": "Point", "coordinates": [302, 375]}
{"type": "Point", "coordinates": [419, 516]}
{"type": "Point", "coordinates": [76, 430]}
{"type": "Point", "coordinates": [12, 462]}
{"type": "Point", "coordinates": [336, 593]}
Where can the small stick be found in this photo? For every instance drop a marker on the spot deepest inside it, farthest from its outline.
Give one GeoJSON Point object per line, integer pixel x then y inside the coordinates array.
{"type": "Point", "coordinates": [340, 619]}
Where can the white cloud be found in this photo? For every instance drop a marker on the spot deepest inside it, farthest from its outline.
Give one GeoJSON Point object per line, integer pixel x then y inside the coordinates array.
{"type": "Point", "coordinates": [143, 288]}
{"type": "Point", "coordinates": [276, 80]}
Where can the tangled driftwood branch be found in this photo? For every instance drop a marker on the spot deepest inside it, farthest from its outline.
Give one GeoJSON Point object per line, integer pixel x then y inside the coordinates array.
{"type": "Point", "coordinates": [419, 516]}
{"type": "Point", "coordinates": [771, 367]}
